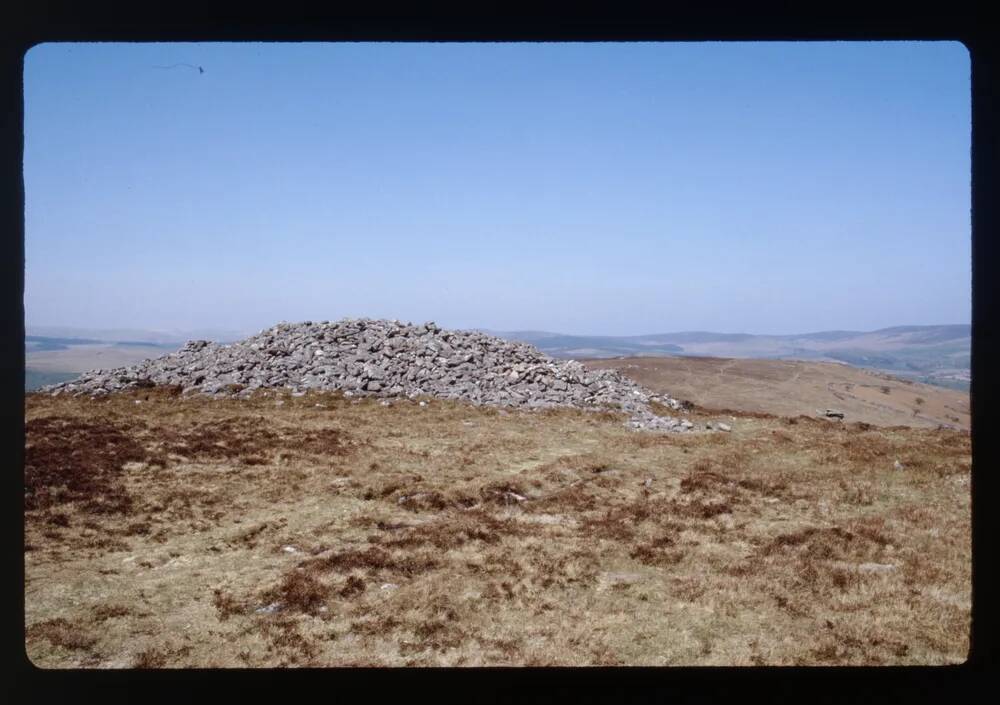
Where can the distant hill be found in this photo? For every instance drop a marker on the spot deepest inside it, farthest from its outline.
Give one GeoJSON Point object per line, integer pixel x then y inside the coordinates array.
{"type": "Point", "coordinates": [935, 354]}
{"type": "Point", "coordinates": [117, 335]}
{"type": "Point", "coordinates": [41, 343]}
{"type": "Point", "coordinates": [570, 346]}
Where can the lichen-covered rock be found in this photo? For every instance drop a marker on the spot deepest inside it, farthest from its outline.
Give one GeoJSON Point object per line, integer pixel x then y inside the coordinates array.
{"type": "Point", "coordinates": [384, 359]}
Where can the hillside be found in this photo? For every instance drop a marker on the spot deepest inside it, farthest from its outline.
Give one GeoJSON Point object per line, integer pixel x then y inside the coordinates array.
{"type": "Point", "coordinates": [791, 388]}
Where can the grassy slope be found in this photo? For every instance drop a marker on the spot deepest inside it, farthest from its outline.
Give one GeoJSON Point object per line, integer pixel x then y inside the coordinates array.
{"type": "Point", "coordinates": [408, 543]}
{"type": "Point", "coordinates": [795, 387]}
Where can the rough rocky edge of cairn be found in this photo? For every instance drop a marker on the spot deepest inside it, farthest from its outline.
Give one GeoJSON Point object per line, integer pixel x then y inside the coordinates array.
{"type": "Point", "coordinates": [364, 357]}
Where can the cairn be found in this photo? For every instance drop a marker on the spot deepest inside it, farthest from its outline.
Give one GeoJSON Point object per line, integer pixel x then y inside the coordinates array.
{"type": "Point", "coordinates": [380, 358]}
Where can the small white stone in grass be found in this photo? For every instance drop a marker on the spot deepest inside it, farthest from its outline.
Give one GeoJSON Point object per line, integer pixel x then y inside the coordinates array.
{"type": "Point", "coordinates": [876, 567]}
{"type": "Point", "coordinates": [138, 401]}
{"type": "Point", "coordinates": [725, 427]}
{"type": "Point", "coordinates": [898, 465]}
{"type": "Point", "coordinates": [389, 586]}
{"type": "Point", "coordinates": [423, 403]}
{"type": "Point", "coordinates": [290, 549]}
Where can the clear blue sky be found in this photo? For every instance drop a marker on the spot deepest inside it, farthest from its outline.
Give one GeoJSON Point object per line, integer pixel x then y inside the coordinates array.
{"type": "Point", "coordinates": [581, 188]}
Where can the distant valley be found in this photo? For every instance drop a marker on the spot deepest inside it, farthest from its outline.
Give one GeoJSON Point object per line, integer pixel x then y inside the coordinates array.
{"type": "Point", "coordinates": [58, 353]}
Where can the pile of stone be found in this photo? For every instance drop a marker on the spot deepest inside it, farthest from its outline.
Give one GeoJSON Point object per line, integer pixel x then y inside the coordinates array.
{"type": "Point", "coordinates": [385, 359]}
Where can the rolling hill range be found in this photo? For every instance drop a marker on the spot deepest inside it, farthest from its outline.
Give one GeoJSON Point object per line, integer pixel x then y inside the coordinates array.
{"type": "Point", "coordinates": [115, 335]}
{"type": "Point", "coordinates": [937, 355]}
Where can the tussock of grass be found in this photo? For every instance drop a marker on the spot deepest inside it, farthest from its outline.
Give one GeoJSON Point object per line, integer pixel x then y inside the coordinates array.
{"type": "Point", "coordinates": [60, 632]}
{"type": "Point", "coordinates": [299, 591]}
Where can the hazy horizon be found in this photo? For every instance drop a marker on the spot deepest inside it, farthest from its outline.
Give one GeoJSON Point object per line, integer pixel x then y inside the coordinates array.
{"type": "Point", "coordinates": [771, 188]}
{"type": "Point", "coordinates": [248, 332]}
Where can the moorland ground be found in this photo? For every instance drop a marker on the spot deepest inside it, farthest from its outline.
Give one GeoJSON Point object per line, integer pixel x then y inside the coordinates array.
{"type": "Point", "coordinates": [163, 531]}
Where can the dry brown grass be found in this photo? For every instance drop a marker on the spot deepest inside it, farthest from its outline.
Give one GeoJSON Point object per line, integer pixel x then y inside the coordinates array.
{"type": "Point", "coordinates": [325, 531]}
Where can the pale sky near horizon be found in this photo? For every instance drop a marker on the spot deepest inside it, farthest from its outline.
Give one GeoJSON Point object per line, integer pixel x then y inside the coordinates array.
{"type": "Point", "coordinates": [589, 188]}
